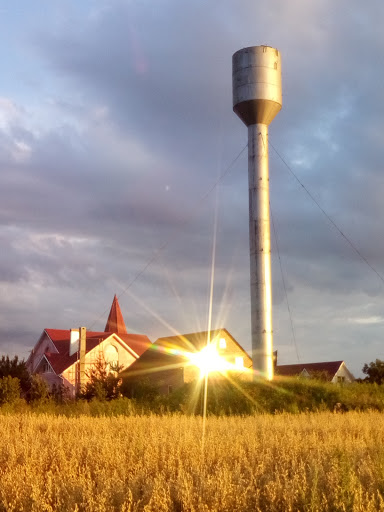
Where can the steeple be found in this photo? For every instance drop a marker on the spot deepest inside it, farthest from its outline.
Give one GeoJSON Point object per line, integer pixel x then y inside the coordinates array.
{"type": "Point", "coordinates": [115, 322]}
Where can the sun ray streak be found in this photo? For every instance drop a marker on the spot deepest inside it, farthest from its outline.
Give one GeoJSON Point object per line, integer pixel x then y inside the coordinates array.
{"type": "Point", "coordinates": [206, 377]}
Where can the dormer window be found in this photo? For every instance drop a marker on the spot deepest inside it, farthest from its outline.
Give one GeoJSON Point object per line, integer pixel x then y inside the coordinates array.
{"type": "Point", "coordinates": [47, 367]}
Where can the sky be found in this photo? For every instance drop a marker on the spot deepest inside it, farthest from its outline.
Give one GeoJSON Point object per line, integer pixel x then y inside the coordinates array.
{"type": "Point", "coordinates": [123, 170]}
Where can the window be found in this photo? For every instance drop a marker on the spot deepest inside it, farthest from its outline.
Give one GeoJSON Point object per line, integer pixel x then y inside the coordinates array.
{"type": "Point", "coordinates": [222, 343]}
{"type": "Point", "coordinates": [340, 378]}
{"type": "Point", "coordinates": [239, 362]}
{"type": "Point", "coordinates": [47, 367]}
{"type": "Point", "coordinates": [111, 355]}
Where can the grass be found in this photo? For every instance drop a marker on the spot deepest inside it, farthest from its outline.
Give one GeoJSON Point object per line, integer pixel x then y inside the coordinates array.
{"type": "Point", "coordinates": [283, 462]}
{"type": "Point", "coordinates": [224, 398]}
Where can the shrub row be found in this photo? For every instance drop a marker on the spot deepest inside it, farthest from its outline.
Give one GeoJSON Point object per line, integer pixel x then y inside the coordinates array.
{"type": "Point", "coordinates": [223, 398]}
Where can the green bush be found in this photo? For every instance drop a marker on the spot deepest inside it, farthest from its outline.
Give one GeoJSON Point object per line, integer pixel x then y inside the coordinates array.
{"type": "Point", "coordinates": [9, 390]}
{"type": "Point", "coordinates": [39, 390]}
{"type": "Point", "coordinates": [362, 396]}
{"type": "Point", "coordinates": [17, 369]}
{"type": "Point", "coordinates": [142, 390]}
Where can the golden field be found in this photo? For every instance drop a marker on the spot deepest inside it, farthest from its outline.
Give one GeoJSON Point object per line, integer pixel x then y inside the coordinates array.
{"type": "Point", "coordinates": [312, 462]}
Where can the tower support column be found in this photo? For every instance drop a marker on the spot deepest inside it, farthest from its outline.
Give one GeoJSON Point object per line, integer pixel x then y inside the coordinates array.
{"type": "Point", "coordinates": [260, 250]}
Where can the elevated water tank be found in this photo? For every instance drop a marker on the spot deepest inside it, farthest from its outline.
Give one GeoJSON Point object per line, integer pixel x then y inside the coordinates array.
{"type": "Point", "coordinates": [256, 77]}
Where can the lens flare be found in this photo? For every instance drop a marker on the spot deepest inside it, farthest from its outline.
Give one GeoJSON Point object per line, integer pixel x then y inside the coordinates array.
{"type": "Point", "coordinates": [209, 360]}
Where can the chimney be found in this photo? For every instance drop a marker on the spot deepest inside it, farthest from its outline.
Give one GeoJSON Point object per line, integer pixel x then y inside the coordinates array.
{"type": "Point", "coordinates": [74, 341]}
{"type": "Point", "coordinates": [82, 341]}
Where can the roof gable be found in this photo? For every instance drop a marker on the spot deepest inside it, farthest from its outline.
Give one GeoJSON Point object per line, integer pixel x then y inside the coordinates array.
{"type": "Point", "coordinates": [40, 364]}
{"type": "Point", "coordinates": [344, 373]}
{"type": "Point", "coordinates": [43, 344]}
{"type": "Point", "coordinates": [139, 343]}
{"type": "Point", "coordinates": [61, 338]}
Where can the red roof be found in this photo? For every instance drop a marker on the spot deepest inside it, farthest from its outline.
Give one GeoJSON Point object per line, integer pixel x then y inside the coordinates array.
{"type": "Point", "coordinates": [115, 322]}
{"type": "Point", "coordinates": [287, 370]}
{"type": "Point", "coordinates": [137, 342]}
{"type": "Point", "coordinates": [61, 360]}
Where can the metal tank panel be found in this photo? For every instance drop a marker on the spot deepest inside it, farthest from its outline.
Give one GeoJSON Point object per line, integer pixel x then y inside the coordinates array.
{"type": "Point", "coordinates": [256, 79]}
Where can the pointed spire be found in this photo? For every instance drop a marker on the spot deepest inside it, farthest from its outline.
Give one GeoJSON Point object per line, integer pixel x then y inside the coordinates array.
{"type": "Point", "coordinates": [115, 322]}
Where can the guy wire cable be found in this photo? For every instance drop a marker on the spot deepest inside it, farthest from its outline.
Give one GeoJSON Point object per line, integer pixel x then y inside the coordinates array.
{"type": "Point", "coordinates": [284, 285]}
{"type": "Point", "coordinates": [165, 244]}
{"type": "Point", "coordinates": [328, 217]}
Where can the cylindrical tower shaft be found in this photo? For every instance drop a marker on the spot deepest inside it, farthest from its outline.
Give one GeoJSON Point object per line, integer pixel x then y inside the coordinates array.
{"type": "Point", "coordinates": [257, 98]}
{"type": "Point", "coordinates": [260, 250]}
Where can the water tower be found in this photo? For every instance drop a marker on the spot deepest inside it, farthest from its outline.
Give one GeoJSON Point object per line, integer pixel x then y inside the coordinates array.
{"type": "Point", "coordinates": [257, 98]}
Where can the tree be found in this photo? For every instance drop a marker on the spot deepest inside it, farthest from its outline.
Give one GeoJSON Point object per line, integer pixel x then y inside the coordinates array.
{"type": "Point", "coordinates": [9, 390]}
{"type": "Point", "coordinates": [60, 394]}
{"type": "Point", "coordinates": [103, 381]}
{"type": "Point", "coordinates": [374, 372]}
{"type": "Point", "coordinates": [16, 369]}
{"type": "Point", "coordinates": [39, 390]}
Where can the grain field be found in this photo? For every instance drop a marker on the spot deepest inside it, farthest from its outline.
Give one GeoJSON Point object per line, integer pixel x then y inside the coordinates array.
{"type": "Point", "coordinates": [309, 462]}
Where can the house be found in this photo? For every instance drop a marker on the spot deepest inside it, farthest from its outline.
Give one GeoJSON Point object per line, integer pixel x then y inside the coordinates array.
{"type": "Point", "coordinates": [175, 360]}
{"type": "Point", "coordinates": [56, 354]}
{"type": "Point", "coordinates": [333, 371]}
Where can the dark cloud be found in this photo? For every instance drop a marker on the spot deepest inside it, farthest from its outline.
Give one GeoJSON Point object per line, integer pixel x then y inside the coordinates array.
{"type": "Point", "coordinates": [127, 128]}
